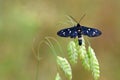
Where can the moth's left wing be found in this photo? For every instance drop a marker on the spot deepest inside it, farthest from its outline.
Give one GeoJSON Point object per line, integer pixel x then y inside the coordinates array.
{"type": "Point", "coordinates": [91, 32]}
{"type": "Point", "coordinates": [68, 32]}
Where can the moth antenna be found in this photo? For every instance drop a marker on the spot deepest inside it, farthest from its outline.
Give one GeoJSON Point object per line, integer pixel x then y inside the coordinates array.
{"type": "Point", "coordinates": [72, 18]}
{"type": "Point", "coordinates": [82, 17]}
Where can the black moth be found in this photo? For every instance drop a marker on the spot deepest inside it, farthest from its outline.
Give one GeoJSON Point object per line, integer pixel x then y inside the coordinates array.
{"type": "Point", "coordinates": [78, 31]}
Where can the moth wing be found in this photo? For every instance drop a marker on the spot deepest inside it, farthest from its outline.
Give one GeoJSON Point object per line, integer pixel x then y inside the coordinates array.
{"type": "Point", "coordinates": [68, 32]}
{"type": "Point", "coordinates": [91, 32]}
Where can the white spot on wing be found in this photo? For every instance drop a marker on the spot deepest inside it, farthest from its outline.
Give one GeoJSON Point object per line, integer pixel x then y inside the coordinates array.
{"type": "Point", "coordinates": [76, 32]}
{"type": "Point", "coordinates": [96, 31]}
{"type": "Point", "coordinates": [64, 33]}
{"type": "Point", "coordinates": [69, 31]}
{"type": "Point", "coordinates": [93, 33]}
{"type": "Point", "coordinates": [89, 29]}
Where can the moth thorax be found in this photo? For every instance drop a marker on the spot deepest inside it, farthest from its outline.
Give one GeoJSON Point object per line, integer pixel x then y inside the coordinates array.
{"type": "Point", "coordinates": [79, 30]}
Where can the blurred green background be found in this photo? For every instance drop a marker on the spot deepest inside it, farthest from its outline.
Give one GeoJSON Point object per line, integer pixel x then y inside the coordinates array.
{"type": "Point", "coordinates": [22, 21]}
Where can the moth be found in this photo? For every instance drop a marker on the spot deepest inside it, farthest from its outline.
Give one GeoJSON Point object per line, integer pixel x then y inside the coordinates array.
{"type": "Point", "coordinates": [77, 31]}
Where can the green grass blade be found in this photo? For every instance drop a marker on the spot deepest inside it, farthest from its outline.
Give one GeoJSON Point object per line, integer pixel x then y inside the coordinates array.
{"type": "Point", "coordinates": [65, 66]}
{"type": "Point", "coordinates": [72, 52]}
{"type": "Point", "coordinates": [81, 50]}
{"type": "Point", "coordinates": [94, 65]}
{"type": "Point", "coordinates": [58, 77]}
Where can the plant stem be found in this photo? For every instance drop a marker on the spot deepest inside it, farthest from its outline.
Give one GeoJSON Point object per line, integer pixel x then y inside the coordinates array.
{"type": "Point", "coordinates": [37, 70]}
